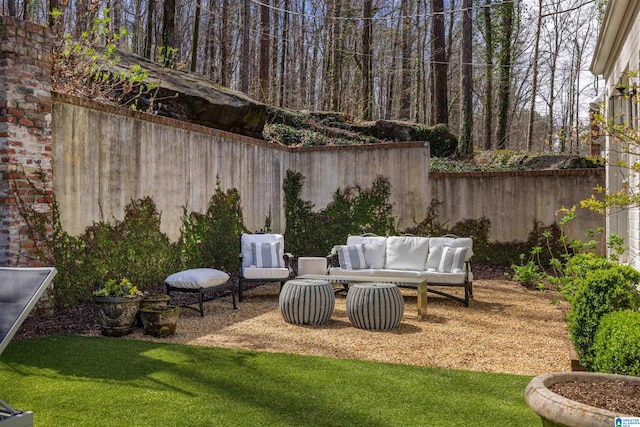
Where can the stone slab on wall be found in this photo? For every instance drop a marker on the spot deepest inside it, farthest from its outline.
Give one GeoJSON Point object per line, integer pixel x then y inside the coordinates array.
{"type": "Point", "coordinates": [513, 201]}
{"type": "Point", "coordinates": [106, 156]}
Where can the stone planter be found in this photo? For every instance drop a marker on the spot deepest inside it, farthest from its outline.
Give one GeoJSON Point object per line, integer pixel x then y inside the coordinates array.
{"type": "Point", "coordinates": [117, 315]}
{"type": "Point", "coordinates": [150, 301]}
{"type": "Point", "coordinates": [160, 320]}
{"type": "Point", "coordinates": [558, 411]}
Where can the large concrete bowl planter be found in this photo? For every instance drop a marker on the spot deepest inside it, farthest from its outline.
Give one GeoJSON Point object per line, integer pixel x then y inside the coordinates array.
{"type": "Point", "coordinates": [558, 411]}
{"type": "Point", "coordinates": [160, 320]}
{"type": "Point", "coordinates": [117, 315]}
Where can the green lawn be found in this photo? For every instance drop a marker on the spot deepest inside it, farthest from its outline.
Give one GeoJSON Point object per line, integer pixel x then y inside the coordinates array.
{"type": "Point", "coordinates": [97, 381]}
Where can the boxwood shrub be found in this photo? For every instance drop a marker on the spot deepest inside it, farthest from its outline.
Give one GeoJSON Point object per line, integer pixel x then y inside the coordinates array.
{"type": "Point", "coordinates": [616, 346]}
{"type": "Point", "coordinates": [600, 292]}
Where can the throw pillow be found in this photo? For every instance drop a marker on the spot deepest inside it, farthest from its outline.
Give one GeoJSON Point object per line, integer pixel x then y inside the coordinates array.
{"type": "Point", "coordinates": [452, 259]}
{"type": "Point", "coordinates": [351, 257]}
{"type": "Point", "coordinates": [266, 255]}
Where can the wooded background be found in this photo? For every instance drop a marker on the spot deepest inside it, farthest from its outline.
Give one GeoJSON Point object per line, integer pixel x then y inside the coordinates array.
{"type": "Point", "coordinates": [501, 74]}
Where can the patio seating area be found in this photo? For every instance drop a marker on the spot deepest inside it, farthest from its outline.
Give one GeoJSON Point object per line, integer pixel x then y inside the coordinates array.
{"type": "Point", "coordinates": [507, 329]}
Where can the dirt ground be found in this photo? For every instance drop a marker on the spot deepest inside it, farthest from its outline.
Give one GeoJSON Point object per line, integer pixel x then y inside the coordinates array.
{"type": "Point", "coordinates": [506, 328]}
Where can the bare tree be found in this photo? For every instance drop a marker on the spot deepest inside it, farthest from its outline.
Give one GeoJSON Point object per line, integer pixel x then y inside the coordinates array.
{"type": "Point", "coordinates": [168, 31]}
{"type": "Point", "coordinates": [504, 88]}
{"type": "Point", "coordinates": [534, 82]}
{"type": "Point", "coordinates": [407, 36]}
{"type": "Point", "coordinates": [265, 49]}
{"type": "Point", "coordinates": [367, 64]}
{"type": "Point", "coordinates": [439, 87]}
{"type": "Point", "coordinates": [466, 82]}
{"type": "Point", "coordinates": [196, 31]}
{"type": "Point", "coordinates": [488, 76]}
{"type": "Point", "coordinates": [245, 61]}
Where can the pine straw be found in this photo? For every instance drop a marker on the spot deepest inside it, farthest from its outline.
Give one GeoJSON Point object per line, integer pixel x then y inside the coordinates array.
{"type": "Point", "coordinates": [506, 328]}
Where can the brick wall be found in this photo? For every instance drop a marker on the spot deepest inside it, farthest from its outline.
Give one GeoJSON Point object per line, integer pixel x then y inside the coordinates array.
{"type": "Point", "coordinates": [25, 133]}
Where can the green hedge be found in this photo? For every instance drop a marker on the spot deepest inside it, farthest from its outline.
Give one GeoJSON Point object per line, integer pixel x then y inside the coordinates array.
{"type": "Point", "coordinates": [602, 291]}
{"type": "Point", "coordinates": [616, 346]}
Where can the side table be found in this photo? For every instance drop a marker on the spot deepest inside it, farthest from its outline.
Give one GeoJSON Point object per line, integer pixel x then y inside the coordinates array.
{"type": "Point", "coordinates": [375, 305]}
{"type": "Point", "coordinates": [307, 302]}
{"type": "Point", "coordinates": [312, 265]}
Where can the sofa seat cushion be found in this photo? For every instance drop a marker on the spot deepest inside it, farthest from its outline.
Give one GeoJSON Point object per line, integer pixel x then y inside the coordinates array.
{"type": "Point", "coordinates": [375, 249]}
{"type": "Point", "coordinates": [265, 273]}
{"type": "Point", "coordinates": [390, 272]}
{"type": "Point", "coordinates": [407, 253]}
{"type": "Point", "coordinates": [197, 278]}
{"type": "Point", "coordinates": [447, 278]}
{"type": "Point", "coordinates": [338, 271]}
{"type": "Point", "coordinates": [437, 244]}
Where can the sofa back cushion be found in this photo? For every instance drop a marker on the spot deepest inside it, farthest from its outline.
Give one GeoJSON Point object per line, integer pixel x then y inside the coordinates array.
{"type": "Point", "coordinates": [246, 248]}
{"type": "Point", "coordinates": [407, 252]}
{"type": "Point", "coordinates": [375, 249]}
{"type": "Point", "coordinates": [266, 255]}
{"type": "Point", "coordinates": [436, 247]}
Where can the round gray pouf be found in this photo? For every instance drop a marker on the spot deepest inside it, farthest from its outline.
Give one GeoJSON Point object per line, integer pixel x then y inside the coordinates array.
{"type": "Point", "coordinates": [307, 302]}
{"type": "Point", "coordinates": [375, 305]}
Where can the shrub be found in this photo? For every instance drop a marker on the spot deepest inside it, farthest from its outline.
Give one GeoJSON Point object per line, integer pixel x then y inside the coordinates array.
{"type": "Point", "coordinates": [354, 210]}
{"type": "Point", "coordinates": [211, 240]}
{"type": "Point", "coordinates": [616, 346]}
{"type": "Point", "coordinates": [134, 248]}
{"type": "Point", "coordinates": [600, 292]}
{"type": "Point", "coordinates": [576, 269]}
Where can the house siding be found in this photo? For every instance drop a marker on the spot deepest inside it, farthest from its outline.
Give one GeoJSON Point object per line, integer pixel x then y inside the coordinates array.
{"type": "Point", "coordinates": [621, 31]}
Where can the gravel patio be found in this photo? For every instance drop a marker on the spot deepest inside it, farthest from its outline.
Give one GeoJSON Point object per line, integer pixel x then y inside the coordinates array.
{"type": "Point", "coordinates": [507, 328]}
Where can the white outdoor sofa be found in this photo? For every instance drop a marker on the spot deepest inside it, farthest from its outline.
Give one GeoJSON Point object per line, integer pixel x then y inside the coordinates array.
{"type": "Point", "coordinates": [443, 261]}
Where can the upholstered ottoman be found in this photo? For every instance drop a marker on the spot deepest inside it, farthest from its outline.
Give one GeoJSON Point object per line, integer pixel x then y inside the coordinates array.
{"type": "Point", "coordinates": [375, 305]}
{"type": "Point", "coordinates": [307, 302]}
{"type": "Point", "coordinates": [200, 280]}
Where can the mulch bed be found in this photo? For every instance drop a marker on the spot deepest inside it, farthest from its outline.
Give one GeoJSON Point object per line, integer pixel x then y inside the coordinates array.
{"type": "Point", "coordinates": [616, 396]}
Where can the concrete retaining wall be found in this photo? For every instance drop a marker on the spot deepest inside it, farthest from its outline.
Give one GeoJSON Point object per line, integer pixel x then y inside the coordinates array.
{"type": "Point", "coordinates": [512, 201]}
{"type": "Point", "coordinates": [105, 156]}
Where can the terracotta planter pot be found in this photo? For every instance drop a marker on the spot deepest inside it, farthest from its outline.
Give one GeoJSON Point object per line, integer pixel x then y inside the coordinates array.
{"type": "Point", "coordinates": [160, 320]}
{"type": "Point", "coordinates": [557, 411]}
{"type": "Point", "coordinates": [117, 315]}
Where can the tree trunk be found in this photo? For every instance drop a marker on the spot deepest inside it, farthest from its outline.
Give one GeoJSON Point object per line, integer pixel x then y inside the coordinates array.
{"type": "Point", "coordinates": [210, 47]}
{"type": "Point", "coordinates": [149, 38]}
{"type": "Point", "coordinates": [168, 31]}
{"type": "Point", "coordinates": [367, 65]}
{"type": "Point", "coordinates": [504, 89]}
{"type": "Point", "coordinates": [225, 45]}
{"type": "Point", "coordinates": [265, 49]}
{"type": "Point", "coordinates": [12, 8]}
{"type": "Point", "coordinates": [196, 31]}
{"type": "Point", "coordinates": [81, 19]}
{"type": "Point", "coordinates": [466, 82]}
{"type": "Point", "coordinates": [136, 37]}
{"type": "Point", "coordinates": [406, 93]}
{"type": "Point", "coordinates": [284, 54]}
{"type": "Point", "coordinates": [336, 72]}
{"type": "Point", "coordinates": [245, 61]}
{"type": "Point", "coordinates": [439, 94]}
{"type": "Point", "coordinates": [534, 79]}
{"type": "Point", "coordinates": [488, 78]}
{"type": "Point", "coordinates": [56, 23]}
